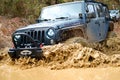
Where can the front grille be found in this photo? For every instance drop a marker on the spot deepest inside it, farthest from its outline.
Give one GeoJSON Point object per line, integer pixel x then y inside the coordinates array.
{"type": "Point", "coordinates": [36, 35]}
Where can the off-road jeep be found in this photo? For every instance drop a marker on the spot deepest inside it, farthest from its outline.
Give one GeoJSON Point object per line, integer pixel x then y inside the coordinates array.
{"type": "Point", "coordinates": [88, 19]}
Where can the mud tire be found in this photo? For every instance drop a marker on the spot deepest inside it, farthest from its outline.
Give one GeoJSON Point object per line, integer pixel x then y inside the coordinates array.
{"type": "Point", "coordinates": [111, 26]}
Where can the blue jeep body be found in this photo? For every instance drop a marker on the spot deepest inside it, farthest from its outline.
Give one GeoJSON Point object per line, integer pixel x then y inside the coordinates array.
{"type": "Point", "coordinates": [87, 19]}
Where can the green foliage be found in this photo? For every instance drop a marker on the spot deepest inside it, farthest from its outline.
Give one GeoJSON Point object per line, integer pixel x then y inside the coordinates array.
{"type": "Point", "coordinates": [21, 8]}
{"type": "Point", "coordinates": [112, 4]}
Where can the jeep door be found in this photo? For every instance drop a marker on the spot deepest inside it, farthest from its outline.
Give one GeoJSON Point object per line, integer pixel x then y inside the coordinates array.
{"type": "Point", "coordinates": [93, 24]}
{"type": "Point", "coordinates": [102, 22]}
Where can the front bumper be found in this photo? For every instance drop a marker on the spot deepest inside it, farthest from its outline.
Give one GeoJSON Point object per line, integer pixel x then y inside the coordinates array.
{"type": "Point", "coordinates": [113, 18]}
{"type": "Point", "coordinates": [25, 52]}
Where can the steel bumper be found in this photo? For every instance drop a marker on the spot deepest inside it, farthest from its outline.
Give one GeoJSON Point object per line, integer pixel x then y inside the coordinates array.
{"type": "Point", "coordinates": [25, 52]}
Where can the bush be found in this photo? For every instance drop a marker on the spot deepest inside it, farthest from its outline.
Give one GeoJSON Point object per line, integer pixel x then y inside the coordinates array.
{"type": "Point", "coordinates": [21, 8]}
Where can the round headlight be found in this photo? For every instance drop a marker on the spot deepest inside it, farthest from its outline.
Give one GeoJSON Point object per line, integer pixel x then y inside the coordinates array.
{"type": "Point", "coordinates": [17, 37]}
{"type": "Point", "coordinates": [50, 32]}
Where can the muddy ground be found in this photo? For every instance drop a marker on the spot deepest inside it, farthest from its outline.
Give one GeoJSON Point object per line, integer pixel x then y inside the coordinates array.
{"type": "Point", "coordinates": [75, 59]}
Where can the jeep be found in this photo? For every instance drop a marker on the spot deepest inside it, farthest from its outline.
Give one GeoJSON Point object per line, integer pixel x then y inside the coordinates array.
{"type": "Point", "coordinates": [88, 19]}
{"type": "Point", "coordinates": [114, 15]}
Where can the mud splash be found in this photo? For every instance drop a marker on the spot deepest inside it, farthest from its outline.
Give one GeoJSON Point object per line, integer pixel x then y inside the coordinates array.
{"type": "Point", "coordinates": [75, 54]}
{"type": "Point", "coordinates": [83, 54]}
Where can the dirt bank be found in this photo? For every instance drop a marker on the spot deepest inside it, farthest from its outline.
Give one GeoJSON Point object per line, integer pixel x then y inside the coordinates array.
{"type": "Point", "coordinates": [7, 27]}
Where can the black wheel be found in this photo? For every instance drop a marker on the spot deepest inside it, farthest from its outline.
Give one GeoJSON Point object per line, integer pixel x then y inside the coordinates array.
{"type": "Point", "coordinates": [13, 57]}
{"type": "Point", "coordinates": [111, 26]}
{"type": "Point", "coordinates": [115, 19]}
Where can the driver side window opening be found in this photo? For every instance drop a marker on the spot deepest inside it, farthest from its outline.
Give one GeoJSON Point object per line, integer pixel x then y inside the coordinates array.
{"type": "Point", "coordinates": [91, 9]}
{"type": "Point", "coordinates": [99, 11]}
{"type": "Point", "coordinates": [106, 12]}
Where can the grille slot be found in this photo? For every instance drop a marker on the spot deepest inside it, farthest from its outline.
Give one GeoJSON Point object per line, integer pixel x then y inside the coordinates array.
{"type": "Point", "coordinates": [43, 33]}
{"type": "Point", "coordinates": [36, 35]}
{"type": "Point", "coordinates": [39, 36]}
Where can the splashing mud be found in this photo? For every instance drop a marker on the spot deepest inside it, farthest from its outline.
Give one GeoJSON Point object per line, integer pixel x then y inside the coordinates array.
{"type": "Point", "coordinates": [84, 54]}
{"type": "Point", "coordinates": [74, 53]}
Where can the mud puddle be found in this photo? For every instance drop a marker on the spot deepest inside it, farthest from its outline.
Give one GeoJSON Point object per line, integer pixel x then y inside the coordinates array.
{"type": "Point", "coordinates": [40, 73]}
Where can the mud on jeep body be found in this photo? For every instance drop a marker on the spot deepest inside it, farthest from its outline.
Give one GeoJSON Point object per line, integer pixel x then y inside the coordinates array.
{"type": "Point", "coordinates": [87, 19]}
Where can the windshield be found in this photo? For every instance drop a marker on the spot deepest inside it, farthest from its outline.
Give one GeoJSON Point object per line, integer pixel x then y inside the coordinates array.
{"type": "Point", "coordinates": [66, 10]}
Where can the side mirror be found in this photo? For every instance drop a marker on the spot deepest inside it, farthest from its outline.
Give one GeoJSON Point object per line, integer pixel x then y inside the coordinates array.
{"type": "Point", "coordinates": [37, 21]}
{"type": "Point", "coordinates": [80, 16]}
{"type": "Point", "coordinates": [91, 15]}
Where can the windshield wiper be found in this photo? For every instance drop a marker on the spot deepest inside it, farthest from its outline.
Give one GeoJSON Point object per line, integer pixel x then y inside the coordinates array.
{"type": "Point", "coordinates": [62, 18]}
{"type": "Point", "coordinates": [40, 20]}
{"type": "Point", "coordinates": [45, 19]}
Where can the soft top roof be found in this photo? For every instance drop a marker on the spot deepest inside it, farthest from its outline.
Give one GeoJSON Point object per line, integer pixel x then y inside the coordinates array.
{"type": "Point", "coordinates": [67, 3]}
{"type": "Point", "coordinates": [76, 1]}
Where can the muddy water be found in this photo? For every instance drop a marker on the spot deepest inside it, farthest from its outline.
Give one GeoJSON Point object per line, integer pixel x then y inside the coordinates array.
{"type": "Point", "coordinates": [40, 73]}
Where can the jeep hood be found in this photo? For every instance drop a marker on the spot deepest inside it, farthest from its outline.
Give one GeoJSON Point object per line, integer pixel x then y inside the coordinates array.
{"type": "Point", "coordinates": [61, 23]}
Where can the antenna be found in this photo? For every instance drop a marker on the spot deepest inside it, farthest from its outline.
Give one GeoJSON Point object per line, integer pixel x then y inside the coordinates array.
{"type": "Point", "coordinates": [85, 0]}
{"type": "Point", "coordinates": [89, 0]}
